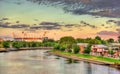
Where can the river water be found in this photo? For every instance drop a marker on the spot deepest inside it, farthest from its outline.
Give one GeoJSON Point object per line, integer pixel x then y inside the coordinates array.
{"type": "Point", "coordinates": [40, 62]}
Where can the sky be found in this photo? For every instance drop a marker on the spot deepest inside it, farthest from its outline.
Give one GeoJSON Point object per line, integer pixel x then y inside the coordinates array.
{"type": "Point", "coordinates": [58, 18]}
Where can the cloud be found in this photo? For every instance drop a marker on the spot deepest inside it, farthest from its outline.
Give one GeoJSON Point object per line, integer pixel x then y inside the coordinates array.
{"type": "Point", "coordinates": [110, 33]}
{"type": "Point", "coordinates": [104, 8]}
{"type": "Point", "coordinates": [113, 21]}
{"type": "Point", "coordinates": [87, 24]}
{"type": "Point", "coordinates": [47, 26]}
{"type": "Point", "coordinates": [69, 25]}
{"type": "Point", "coordinates": [3, 19]}
{"type": "Point", "coordinates": [7, 25]}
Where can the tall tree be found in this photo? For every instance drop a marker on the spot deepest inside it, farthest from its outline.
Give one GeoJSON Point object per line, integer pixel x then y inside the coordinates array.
{"type": "Point", "coordinates": [98, 37]}
{"type": "Point", "coordinates": [67, 41]}
{"type": "Point", "coordinates": [111, 40]}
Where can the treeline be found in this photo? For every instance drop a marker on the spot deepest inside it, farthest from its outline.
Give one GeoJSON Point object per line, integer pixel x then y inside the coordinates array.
{"type": "Point", "coordinates": [96, 40]}
{"type": "Point", "coordinates": [69, 44]}
{"type": "Point", "coordinates": [20, 44]}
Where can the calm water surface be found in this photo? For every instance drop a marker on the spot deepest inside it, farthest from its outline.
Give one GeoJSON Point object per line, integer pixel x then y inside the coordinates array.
{"type": "Point", "coordinates": [40, 62]}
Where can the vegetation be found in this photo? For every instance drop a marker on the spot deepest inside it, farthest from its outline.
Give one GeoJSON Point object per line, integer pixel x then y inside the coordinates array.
{"type": "Point", "coordinates": [90, 57]}
{"type": "Point", "coordinates": [67, 42]}
{"type": "Point", "coordinates": [87, 49]}
{"type": "Point", "coordinates": [96, 40]}
{"type": "Point", "coordinates": [20, 44]}
{"type": "Point", "coordinates": [111, 52]}
{"type": "Point", "coordinates": [6, 44]}
{"type": "Point", "coordinates": [111, 40]}
{"type": "Point", "coordinates": [76, 49]}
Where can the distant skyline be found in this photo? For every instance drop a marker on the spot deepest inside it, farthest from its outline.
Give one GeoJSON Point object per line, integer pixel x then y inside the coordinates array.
{"type": "Point", "coordinates": [77, 18]}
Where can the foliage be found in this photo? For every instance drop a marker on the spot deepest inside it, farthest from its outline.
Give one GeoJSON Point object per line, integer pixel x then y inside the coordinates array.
{"type": "Point", "coordinates": [104, 42]}
{"type": "Point", "coordinates": [111, 40]}
{"type": "Point", "coordinates": [76, 49]}
{"type": "Point", "coordinates": [98, 38]}
{"type": "Point", "coordinates": [67, 41]}
{"type": "Point", "coordinates": [48, 40]}
{"type": "Point", "coordinates": [62, 48]}
{"type": "Point", "coordinates": [6, 44]}
{"type": "Point", "coordinates": [57, 47]}
{"type": "Point", "coordinates": [111, 52]}
{"type": "Point", "coordinates": [17, 44]}
{"type": "Point", "coordinates": [90, 57]}
{"type": "Point", "coordinates": [87, 49]}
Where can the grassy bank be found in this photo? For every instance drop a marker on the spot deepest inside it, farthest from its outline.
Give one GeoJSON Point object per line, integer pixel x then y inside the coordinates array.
{"type": "Point", "coordinates": [89, 57]}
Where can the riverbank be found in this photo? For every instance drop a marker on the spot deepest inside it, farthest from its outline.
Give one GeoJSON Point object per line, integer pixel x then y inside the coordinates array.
{"type": "Point", "coordinates": [88, 58]}
{"type": "Point", "coordinates": [26, 48]}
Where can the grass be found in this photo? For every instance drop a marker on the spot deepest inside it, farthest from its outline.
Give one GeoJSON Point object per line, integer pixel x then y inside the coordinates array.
{"type": "Point", "coordinates": [87, 56]}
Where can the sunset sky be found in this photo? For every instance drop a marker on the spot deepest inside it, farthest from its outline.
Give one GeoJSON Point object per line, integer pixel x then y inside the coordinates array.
{"type": "Point", "coordinates": [77, 18]}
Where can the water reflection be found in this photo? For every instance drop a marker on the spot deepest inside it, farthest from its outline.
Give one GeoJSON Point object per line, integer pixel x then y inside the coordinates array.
{"type": "Point", "coordinates": [40, 62]}
{"type": "Point", "coordinates": [70, 61]}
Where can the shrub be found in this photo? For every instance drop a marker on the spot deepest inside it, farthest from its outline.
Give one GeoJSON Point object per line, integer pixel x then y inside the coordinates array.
{"type": "Point", "coordinates": [62, 48]}
{"type": "Point", "coordinates": [6, 44]}
{"type": "Point", "coordinates": [87, 49]}
{"type": "Point", "coordinates": [76, 49]}
{"type": "Point", "coordinates": [57, 47]}
{"type": "Point", "coordinates": [110, 52]}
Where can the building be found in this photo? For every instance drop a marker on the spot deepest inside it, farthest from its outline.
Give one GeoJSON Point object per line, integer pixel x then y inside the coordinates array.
{"type": "Point", "coordinates": [99, 49]}
{"type": "Point", "coordinates": [1, 40]}
{"type": "Point", "coordinates": [82, 47]}
{"type": "Point", "coordinates": [116, 49]}
{"type": "Point", "coordinates": [28, 39]}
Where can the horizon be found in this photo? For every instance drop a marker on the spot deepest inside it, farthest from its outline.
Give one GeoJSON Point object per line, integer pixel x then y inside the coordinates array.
{"type": "Point", "coordinates": [59, 18]}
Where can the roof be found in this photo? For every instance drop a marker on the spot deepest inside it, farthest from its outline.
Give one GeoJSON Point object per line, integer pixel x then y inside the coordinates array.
{"type": "Point", "coordinates": [115, 44]}
{"type": "Point", "coordinates": [101, 46]}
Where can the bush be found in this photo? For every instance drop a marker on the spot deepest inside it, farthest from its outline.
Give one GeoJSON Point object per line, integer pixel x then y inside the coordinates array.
{"type": "Point", "coordinates": [110, 52]}
{"type": "Point", "coordinates": [57, 47]}
{"type": "Point", "coordinates": [17, 44]}
{"type": "Point", "coordinates": [76, 49]}
{"type": "Point", "coordinates": [87, 49]}
{"type": "Point", "coordinates": [62, 48]}
{"type": "Point", "coordinates": [6, 44]}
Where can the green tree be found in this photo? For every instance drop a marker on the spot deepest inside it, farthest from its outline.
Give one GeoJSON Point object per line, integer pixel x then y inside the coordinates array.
{"type": "Point", "coordinates": [62, 48]}
{"type": "Point", "coordinates": [111, 40]}
{"type": "Point", "coordinates": [98, 38]}
{"type": "Point", "coordinates": [95, 41]}
{"type": "Point", "coordinates": [87, 49]}
{"type": "Point", "coordinates": [67, 41]}
{"type": "Point", "coordinates": [57, 47]}
{"type": "Point", "coordinates": [104, 42]}
{"type": "Point", "coordinates": [76, 49]}
{"type": "Point", "coordinates": [6, 44]}
{"type": "Point", "coordinates": [110, 52]}
{"type": "Point", "coordinates": [17, 44]}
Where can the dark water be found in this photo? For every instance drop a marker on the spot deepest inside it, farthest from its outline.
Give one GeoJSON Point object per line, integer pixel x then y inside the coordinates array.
{"type": "Point", "coordinates": [40, 62]}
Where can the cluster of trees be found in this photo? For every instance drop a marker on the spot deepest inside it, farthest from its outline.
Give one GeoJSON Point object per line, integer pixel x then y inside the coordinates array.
{"type": "Point", "coordinates": [20, 44]}
{"type": "Point", "coordinates": [96, 40]}
{"type": "Point", "coordinates": [67, 44]}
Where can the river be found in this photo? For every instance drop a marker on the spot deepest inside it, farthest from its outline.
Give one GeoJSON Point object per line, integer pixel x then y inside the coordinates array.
{"type": "Point", "coordinates": [40, 62]}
